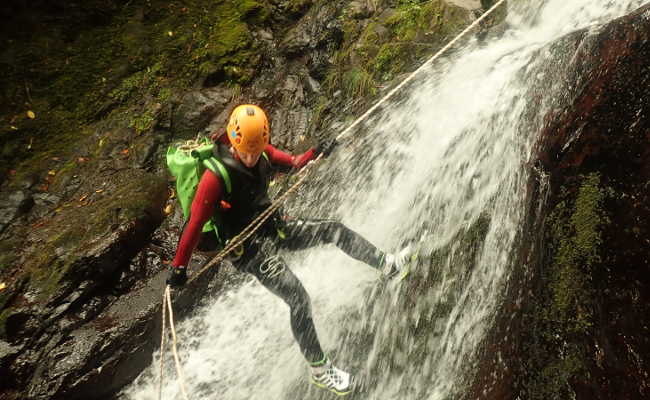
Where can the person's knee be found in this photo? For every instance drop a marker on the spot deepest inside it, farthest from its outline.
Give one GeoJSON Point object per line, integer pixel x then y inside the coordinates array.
{"type": "Point", "coordinates": [331, 230]}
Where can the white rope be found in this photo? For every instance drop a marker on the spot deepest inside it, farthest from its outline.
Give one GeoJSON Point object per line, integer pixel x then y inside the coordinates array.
{"type": "Point", "coordinates": [162, 346]}
{"type": "Point", "coordinates": [179, 370]}
{"type": "Point", "coordinates": [412, 75]}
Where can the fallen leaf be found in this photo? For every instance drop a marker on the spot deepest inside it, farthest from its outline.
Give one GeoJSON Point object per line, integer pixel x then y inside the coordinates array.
{"type": "Point", "coordinates": [83, 198]}
{"type": "Point", "coordinates": [29, 146]}
{"type": "Point", "coordinates": [99, 191]}
{"type": "Point", "coordinates": [2, 286]}
{"type": "Point", "coordinates": [55, 158]}
{"type": "Point", "coordinates": [170, 33]}
{"type": "Point", "coordinates": [38, 224]}
{"type": "Point", "coordinates": [13, 128]}
{"type": "Point", "coordinates": [31, 114]}
{"type": "Point", "coordinates": [52, 173]}
{"type": "Point", "coordinates": [169, 209]}
{"type": "Point", "coordinates": [125, 152]}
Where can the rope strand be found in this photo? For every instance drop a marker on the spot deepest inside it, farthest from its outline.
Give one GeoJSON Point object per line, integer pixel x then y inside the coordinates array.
{"type": "Point", "coordinates": [179, 370]}
{"type": "Point", "coordinates": [162, 346]}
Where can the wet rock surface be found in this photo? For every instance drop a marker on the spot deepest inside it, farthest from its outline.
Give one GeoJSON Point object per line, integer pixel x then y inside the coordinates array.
{"type": "Point", "coordinates": [87, 242]}
{"type": "Point", "coordinates": [576, 320]}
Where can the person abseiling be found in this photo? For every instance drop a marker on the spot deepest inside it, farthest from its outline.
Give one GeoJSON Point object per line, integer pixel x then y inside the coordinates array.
{"type": "Point", "coordinates": [248, 159]}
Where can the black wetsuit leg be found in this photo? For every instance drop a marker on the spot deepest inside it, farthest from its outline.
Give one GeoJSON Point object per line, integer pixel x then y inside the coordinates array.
{"type": "Point", "coordinates": [304, 233]}
{"type": "Point", "coordinates": [261, 259]}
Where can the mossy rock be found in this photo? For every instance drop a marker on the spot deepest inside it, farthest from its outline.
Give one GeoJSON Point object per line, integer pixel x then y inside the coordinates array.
{"type": "Point", "coordinates": [81, 227]}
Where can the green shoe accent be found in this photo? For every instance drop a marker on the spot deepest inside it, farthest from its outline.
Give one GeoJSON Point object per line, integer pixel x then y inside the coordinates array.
{"type": "Point", "coordinates": [321, 386]}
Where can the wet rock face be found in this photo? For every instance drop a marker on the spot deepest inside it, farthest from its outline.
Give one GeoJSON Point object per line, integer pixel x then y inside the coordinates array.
{"type": "Point", "coordinates": [605, 139]}
{"type": "Point", "coordinates": [314, 37]}
{"type": "Point", "coordinates": [88, 322]}
{"type": "Point", "coordinates": [584, 270]}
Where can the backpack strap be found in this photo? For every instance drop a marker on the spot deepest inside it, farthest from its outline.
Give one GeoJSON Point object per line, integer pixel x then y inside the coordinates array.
{"type": "Point", "coordinates": [217, 167]}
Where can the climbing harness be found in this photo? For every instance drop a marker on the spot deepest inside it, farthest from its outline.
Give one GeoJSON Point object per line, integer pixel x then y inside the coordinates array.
{"type": "Point", "coordinates": [239, 240]}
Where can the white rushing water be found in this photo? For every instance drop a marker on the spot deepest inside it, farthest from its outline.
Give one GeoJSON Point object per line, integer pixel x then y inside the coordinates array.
{"type": "Point", "coordinates": [446, 158]}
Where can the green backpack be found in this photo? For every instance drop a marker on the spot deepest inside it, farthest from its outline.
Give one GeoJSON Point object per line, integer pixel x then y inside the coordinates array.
{"type": "Point", "coordinates": [187, 162]}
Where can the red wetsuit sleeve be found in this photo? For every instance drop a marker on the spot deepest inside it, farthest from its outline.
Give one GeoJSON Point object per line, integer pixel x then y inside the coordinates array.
{"type": "Point", "coordinates": [207, 196]}
{"type": "Point", "coordinates": [279, 157]}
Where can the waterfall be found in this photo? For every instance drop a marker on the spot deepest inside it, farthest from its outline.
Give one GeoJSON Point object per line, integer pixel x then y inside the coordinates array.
{"type": "Point", "coordinates": [443, 168]}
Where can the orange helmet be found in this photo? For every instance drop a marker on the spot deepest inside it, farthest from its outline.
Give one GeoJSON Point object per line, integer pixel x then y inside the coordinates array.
{"type": "Point", "coordinates": [248, 129]}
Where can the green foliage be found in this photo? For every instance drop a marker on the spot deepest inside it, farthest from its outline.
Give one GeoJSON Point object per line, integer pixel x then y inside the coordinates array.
{"type": "Point", "coordinates": [357, 82]}
{"type": "Point", "coordinates": [390, 59]}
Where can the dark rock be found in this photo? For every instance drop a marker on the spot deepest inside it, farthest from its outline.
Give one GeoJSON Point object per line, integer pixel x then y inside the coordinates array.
{"type": "Point", "coordinates": [315, 30]}
{"type": "Point", "coordinates": [13, 205]}
{"type": "Point", "coordinates": [586, 238]}
{"type": "Point", "coordinates": [358, 9]}
{"type": "Point", "coordinates": [265, 35]}
{"type": "Point", "coordinates": [99, 357]}
{"type": "Point", "coordinates": [7, 351]}
{"type": "Point", "coordinates": [197, 109]}
{"type": "Point", "coordinates": [312, 85]}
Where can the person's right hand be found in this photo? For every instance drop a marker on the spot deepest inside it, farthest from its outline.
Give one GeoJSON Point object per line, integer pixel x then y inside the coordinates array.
{"type": "Point", "coordinates": [177, 276]}
{"type": "Point", "coordinates": [325, 147]}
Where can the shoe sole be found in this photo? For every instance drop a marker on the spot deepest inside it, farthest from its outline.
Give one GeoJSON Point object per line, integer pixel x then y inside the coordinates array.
{"type": "Point", "coordinates": [321, 386]}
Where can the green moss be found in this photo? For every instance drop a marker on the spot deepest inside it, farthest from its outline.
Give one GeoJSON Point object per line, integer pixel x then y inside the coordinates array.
{"type": "Point", "coordinates": [390, 59]}
{"type": "Point", "coordinates": [576, 238]}
{"type": "Point", "coordinates": [142, 122]}
{"type": "Point", "coordinates": [387, 47]}
{"type": "Point", "coordinates": [65, 237]}
{"type": "Point", "coordinates": [79, 72]}
{"type": "Point", "coordinates": [298, 6]}
{"type": "Point", "coordinates": [565, 314]}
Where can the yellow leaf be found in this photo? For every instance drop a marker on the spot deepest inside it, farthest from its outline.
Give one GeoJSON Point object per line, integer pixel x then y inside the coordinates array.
{"type": "Point", "coordinates": [2, 286]}
{"type": "Point", "coordinates": [170, 33]}
{"type": "Point", "coordinates": [13, 128]}
{"type": "Point", "coordinates": [31, 114]}
{"type": "Point", "coordinates": [169, 209]}
{"type": "Point", "coordinates": [52, 173]}
{"type": "Point", "coordinates": [99, 191]}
